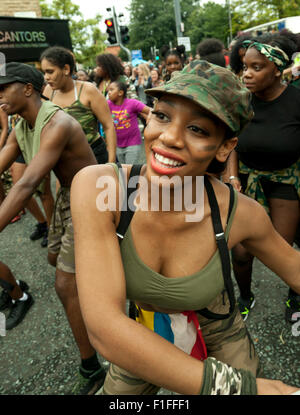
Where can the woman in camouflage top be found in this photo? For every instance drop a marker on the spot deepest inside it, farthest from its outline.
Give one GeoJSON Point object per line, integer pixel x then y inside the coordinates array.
{"type": "Point", "coordinates": [81, 100]}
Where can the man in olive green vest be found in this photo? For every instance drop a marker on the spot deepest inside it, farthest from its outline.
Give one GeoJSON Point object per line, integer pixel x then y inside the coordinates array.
{"type": "Point", "coordinates": [49, 139]}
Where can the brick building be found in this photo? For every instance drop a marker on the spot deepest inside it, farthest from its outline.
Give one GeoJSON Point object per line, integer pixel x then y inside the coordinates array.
{"type": "Point", "coordinates": [26, 8]}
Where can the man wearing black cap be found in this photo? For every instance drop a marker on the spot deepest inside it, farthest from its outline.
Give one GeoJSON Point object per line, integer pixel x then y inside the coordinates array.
{"type": "Point", "coordinates": [49, 139]}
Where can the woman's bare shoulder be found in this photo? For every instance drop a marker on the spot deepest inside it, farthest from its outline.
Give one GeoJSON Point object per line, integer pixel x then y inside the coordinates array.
{"type": "Point", "coordinates": [91, 96]}
{"type": "Point", "coordinates": [247, 205]}
{"type": "Point", "coordinates": [88, 87]}
{"type": "Point", "coordinates": [251, 217]}
{"type": "Point", "coordinates": [94, 189]}
{"type": "Point", "coordinates": [91, 173]}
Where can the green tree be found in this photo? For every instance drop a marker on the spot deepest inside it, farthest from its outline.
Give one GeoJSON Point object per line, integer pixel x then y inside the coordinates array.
{"type": "Point", "coordinates": [153, 23]}
{"type": "Point", "coordinates": [123, 55]}
{"type": "Point", "coordinates": [248, 13]}
{"type": "Point", "coordinates": [87, 39]}
{"type": "Point", "coordinates": [210, 20]}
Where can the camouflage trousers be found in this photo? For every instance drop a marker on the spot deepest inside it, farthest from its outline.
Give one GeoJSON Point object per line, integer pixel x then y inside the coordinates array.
{"type": "Point", "coordinates": [61, 233]}
{"type": "Point", "coordinates": [6, 180]}
{"type": "Point", "coordinates": [226, 340]}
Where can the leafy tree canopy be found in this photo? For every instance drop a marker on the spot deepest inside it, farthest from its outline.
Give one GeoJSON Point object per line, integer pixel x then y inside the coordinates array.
{"type": "Point", "coordinates": [87, 39]}
{"type": "Point", "coordinates": [248, 13]}
{"type": "Point", "coordinates": [210, 20]}
{"type": "Point", "coordinates": [153, 23]}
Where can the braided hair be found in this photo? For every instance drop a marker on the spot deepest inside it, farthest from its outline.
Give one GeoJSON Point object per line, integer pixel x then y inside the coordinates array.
{"type": "Point", "coordinates": [178, 51]}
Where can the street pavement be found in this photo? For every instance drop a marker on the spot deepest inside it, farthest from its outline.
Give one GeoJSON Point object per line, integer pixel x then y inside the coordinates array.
{"type": "Point", "coordinates": [39, 357]}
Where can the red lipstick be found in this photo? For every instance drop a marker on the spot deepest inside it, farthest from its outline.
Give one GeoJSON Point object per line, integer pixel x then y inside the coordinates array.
{"type": "Point", "coordinates": [162, 169]}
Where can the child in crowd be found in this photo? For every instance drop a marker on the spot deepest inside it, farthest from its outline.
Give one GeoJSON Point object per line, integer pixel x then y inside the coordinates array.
{"type": "Point", "coordinates": [125, 113]}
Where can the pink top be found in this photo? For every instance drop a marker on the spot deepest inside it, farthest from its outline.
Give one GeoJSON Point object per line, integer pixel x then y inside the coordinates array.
{"type": "Point", "coordinates": [126, 121]}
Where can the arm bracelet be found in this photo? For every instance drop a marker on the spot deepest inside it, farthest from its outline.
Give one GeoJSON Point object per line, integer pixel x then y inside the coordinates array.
{"type": "Point", "coordinates": [222, 379]}
{"type": "Point", "coordinates": [234, 178]}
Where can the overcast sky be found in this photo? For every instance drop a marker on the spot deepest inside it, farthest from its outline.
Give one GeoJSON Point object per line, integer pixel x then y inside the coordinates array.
{"type": "Point", "coordinates": [90, 7]}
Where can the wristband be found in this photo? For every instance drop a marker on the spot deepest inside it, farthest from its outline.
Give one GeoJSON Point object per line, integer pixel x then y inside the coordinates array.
{"type": "Point", "coordinates": [234, 178]}
{"type": "Point", "coordinates": [222, 379]}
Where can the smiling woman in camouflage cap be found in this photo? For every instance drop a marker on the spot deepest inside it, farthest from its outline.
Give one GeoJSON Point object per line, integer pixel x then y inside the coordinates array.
{"type": "Point", "coordinates": [184, 332]}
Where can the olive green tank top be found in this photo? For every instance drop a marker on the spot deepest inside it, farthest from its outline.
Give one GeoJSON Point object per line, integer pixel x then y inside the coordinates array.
{"type": "Point", "coordinates": [84, 115]}
{"type": "Point", "coordinates": [192, 292]}
{"type": "Point", "coordinates": [29, 138]}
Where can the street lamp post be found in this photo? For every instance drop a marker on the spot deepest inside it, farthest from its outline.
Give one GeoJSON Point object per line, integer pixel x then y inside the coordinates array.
{"type": "Point", "coordinates": [229, 19]}
{"type": "Point", "coordinates": [177, 18]}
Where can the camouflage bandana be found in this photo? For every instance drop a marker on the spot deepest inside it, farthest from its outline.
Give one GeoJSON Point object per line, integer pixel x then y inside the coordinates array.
{"type": "Point", "coordinates": [222, 379]}
{"type": "Point", "coordinates": [214, 88]}
{"type": "Point", "coordinates": [254, 188]}
{"type": "Point", "coordinates": [273, 53]}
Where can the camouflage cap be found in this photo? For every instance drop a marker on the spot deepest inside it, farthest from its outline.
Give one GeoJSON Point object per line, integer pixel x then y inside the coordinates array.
{"type": "Point", "coordinates": [214, 88]}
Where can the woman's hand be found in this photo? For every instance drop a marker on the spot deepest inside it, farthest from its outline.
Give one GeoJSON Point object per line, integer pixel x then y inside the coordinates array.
{"type": "Point", "coordinates": [236, 183]}
{"type": "Point", "coordinates": [231, 173]}
{"type": "Point", "coordinates": [274, 387]}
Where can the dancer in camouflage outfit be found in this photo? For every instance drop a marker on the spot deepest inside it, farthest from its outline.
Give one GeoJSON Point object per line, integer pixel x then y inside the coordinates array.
{"type": "Point", "coordinates": [187, 335]}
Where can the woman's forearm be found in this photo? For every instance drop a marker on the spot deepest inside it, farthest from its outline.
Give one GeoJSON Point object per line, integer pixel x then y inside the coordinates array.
{"type": "Point", "coordinates": [135, 348]}
{"type": "Point", "coordinates": [3, 137]}
{"type": "Point", "coordinates": [231, 173]}
{"type": "Point", "coordinates": [111, 143]}
{"type": "Point", "coordinates": [232, 166]}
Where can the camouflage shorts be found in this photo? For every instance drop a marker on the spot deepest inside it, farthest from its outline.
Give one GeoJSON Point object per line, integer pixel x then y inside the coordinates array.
{"type": "Point", "coordinates": [226, 340]}
{"type": "Point", "coordinates": [61, 234]}
{"type": "Point", "coordinates": [6, 181]}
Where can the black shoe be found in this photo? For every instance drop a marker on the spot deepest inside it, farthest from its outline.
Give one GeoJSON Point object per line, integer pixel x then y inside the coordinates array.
{"type": "Point", "coordinates": [41, 229]}
{"type": "Point", "coordinates": [24, 287]}
{"type": "Point", "coordinates": [44, 242]}
{"type": "Point", "coordinates": [18, 312]}
{"type": "Point", "coordinates": [292, 312]}
{"type": "Point", "coordinates": [245, 306]}
{"type": "Point", "coordinates": [5, 298]}
{"type": "Point", "coordinates": [89, 381]}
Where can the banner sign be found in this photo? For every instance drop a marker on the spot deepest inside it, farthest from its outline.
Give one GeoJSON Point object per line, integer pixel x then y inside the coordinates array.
{"type": "Point", "coordinates": [23, 39]}
{"type": "Point", "coordinates": [136, 54]}
{"type": "Point", "coordinates": [186, 42]}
